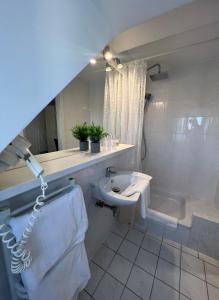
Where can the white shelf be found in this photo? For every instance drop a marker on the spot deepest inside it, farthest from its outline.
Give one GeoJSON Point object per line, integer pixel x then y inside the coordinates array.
{"type": "Point", "coordinates": [56, 165]}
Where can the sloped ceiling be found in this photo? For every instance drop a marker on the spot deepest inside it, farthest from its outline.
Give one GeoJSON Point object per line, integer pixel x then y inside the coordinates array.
{"type": "Point", "coordinates": [46, 43]}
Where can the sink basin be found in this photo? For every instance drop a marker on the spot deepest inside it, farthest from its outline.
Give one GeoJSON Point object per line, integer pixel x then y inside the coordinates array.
{"type": "Point", "coordinates": [112, 187]}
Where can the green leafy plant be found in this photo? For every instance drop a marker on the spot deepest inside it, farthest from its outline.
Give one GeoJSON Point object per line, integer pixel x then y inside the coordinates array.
{"type": "Point", "coordinates": [96, 133]}
{"type": "Point", "coordinates": [81, 132]}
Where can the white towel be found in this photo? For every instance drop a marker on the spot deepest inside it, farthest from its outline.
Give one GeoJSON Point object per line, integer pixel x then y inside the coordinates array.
{"type": "Point", "coordinates": [68, 277]}
{"type": "Point", "coordinates": [141, 186]}
{"type": "Point", "coordinates": [61, 226]}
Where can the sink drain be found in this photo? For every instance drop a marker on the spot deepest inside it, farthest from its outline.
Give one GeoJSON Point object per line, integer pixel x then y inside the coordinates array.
{"type": "Point", "coordinates": [116, 189]}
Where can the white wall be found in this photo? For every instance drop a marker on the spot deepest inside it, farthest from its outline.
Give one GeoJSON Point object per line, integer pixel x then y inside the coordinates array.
{"type": "Point", "coordinates": [182, 131]}
{"type": "Point", "coordinates": [72, 108]}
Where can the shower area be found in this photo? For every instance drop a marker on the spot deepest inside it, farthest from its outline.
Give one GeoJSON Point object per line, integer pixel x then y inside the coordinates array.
{"type": "Point", "coordinates": [181, 129]}
{"type": "Point", "coordinates": [180, 144]}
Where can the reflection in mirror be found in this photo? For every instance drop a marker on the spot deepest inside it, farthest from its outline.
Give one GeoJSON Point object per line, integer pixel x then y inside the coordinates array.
{"type": "Point", "coordinates": [42, 131]}
{"type": "Point", "coordinates": [81, 101]}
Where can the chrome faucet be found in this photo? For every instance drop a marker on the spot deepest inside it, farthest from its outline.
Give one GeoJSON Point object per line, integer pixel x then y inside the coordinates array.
{"type": "Point", "coordinates": [110, 170]}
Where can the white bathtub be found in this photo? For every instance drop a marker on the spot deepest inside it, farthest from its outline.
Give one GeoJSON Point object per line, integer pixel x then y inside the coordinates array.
{"type": "Point", "coordinates": [198, 221]}
{"type": "Point", "coordinates": [172, 205]}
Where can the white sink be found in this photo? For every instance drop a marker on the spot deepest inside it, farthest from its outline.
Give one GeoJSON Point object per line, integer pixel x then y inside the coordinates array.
{"type": "Point", "coordinates": [112, 187]}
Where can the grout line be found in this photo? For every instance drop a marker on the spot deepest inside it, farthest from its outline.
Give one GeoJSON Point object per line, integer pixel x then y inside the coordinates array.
{"type": "Point", "coordinates": [155, 270]}
{"type": "Point", "coordinates": [133, 264]}
{"type": "Point", "coordinates": [180, 265]}
{"type": "Point", "coordinates": [105, 271]}
{"type": "Point", "coordinates": [206, 281]}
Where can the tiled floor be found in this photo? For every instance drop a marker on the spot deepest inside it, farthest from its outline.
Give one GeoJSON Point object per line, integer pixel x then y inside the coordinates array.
{"type": "Point", "coordinates": [132, 265]}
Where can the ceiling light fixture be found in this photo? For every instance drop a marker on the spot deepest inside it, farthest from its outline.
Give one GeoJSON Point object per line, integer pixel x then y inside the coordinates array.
{"type": "Point", "coordinates": [93, 61]}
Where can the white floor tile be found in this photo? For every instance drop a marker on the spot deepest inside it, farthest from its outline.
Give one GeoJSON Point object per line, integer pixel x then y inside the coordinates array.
{"type": "Point", "coordinates": [128, 250]}
{"type": "Point", "coordinates": [190, 251]}
{"type": "Point", "coordinates": [83, 296]}
{"type": "Point", "coordinates": [121, 229]}
{"type": "Point", "coordinates": [151, 245]}
{"type": "Point", "coordinates": [213, 292]}
{"type": "Point", "coordinates": [135, 236]}
{"type": "Point", "coordinates": [96, 275]}
{"type": "Point", "coordinates": [163, 292]}
{"type": "Point", "coordinates": [108, 289]}
{"type": "Point", "coordinates": [168, 273]}
{"type": "Point", "coordinates": [128, 295]}
{"type": "Point", "coordinates": [171, 254]}
{"type": "Point", "coordinates": [172, 243]}
{"type": "Point", "coordinates": [155, 230]}
{"type": "Point", "coordinates": [193, 287]}
{"type": "Point", "coordinates": [212, 274]}
{"type": "Point", "coordinates": [113, 241]}
{"type": "Point", "coordinates": [120, 268]}
{"type": "Point", "coordinates": [193, 265]}
{"type": "Point", "coordinates": [209, 259]}
{"type": "Point", "coordinates": [140, 283]}
{"type": "Point", "coordinates": [146, 261]}
{"type": "Point", "coordinates": [103, 257]}
{"type": "Point", "coordinates": [154, 236]}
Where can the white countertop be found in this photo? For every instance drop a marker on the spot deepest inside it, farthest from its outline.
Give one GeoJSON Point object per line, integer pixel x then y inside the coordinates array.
{"type": "Point", "coordinates": [18, 180]}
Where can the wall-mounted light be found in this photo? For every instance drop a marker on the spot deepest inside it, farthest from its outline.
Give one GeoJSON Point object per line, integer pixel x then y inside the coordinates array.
{"type": "Point", "coordinates": [93, 61]}
{"type": "Point", "coordinates": [108, 68]}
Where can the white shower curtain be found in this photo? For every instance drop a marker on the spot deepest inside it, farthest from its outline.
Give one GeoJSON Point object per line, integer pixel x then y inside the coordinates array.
{"type": "Point", "coordinates": [124, 105]}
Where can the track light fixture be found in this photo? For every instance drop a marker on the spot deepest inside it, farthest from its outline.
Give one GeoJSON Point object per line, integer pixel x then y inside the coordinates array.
{"type": "Point", "coordinates": [112, 63]}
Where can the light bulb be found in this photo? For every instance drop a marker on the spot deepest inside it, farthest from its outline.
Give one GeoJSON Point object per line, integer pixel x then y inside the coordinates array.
{"type": "Point", "coordinates": [93, 61]}
{"type": "Point", "coordinates": [108, 55]}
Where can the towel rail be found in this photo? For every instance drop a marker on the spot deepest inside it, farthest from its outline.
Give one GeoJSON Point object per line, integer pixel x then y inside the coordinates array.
{"type": "Point", "coordinates": [28, 206]}
{"type": "Point", "coordinates": [16, 289]}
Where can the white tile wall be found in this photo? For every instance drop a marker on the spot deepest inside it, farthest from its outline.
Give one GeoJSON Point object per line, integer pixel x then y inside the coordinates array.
{"type": "Point", "coordinates": [182, 131]}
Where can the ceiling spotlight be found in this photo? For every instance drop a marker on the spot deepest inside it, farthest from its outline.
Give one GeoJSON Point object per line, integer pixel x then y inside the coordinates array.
{"type": "Point", "coordinates": [108, 68]}
{"type": "Point", "coordinates": [93, 61]}
{"type": "Point", "coordinates": [119, 65]}
{"type": "Point", "coordinates": [107, 54]}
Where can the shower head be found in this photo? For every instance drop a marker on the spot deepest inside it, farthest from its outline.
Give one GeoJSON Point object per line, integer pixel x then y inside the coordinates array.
{"type": "Point", "coordinates": [159, 75]}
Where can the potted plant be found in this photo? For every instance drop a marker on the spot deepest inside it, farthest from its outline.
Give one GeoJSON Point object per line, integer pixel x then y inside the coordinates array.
{"type": "Point", "coordinates": [81, 133]}
{"type": "Point", "coordinates": [96, 134]}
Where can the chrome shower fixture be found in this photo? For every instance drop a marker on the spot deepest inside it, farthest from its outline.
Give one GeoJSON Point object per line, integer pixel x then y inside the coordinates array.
{"type": "Point", "coordinates": [159, 75]}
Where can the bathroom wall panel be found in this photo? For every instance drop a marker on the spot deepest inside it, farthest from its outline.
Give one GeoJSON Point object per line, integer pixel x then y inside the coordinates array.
{"type": "Point", "coordinates": [182, 131]}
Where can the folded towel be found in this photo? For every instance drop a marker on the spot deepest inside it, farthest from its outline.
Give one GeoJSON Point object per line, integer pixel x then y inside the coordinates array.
{"type": "Point", "coordinates": [141, 186]}
{"type": "Point", "coordinates": [61, 226]}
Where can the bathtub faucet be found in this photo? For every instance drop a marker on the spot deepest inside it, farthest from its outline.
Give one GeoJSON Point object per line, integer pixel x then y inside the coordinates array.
{"type": "Point", "coordinates": [110, 170]}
